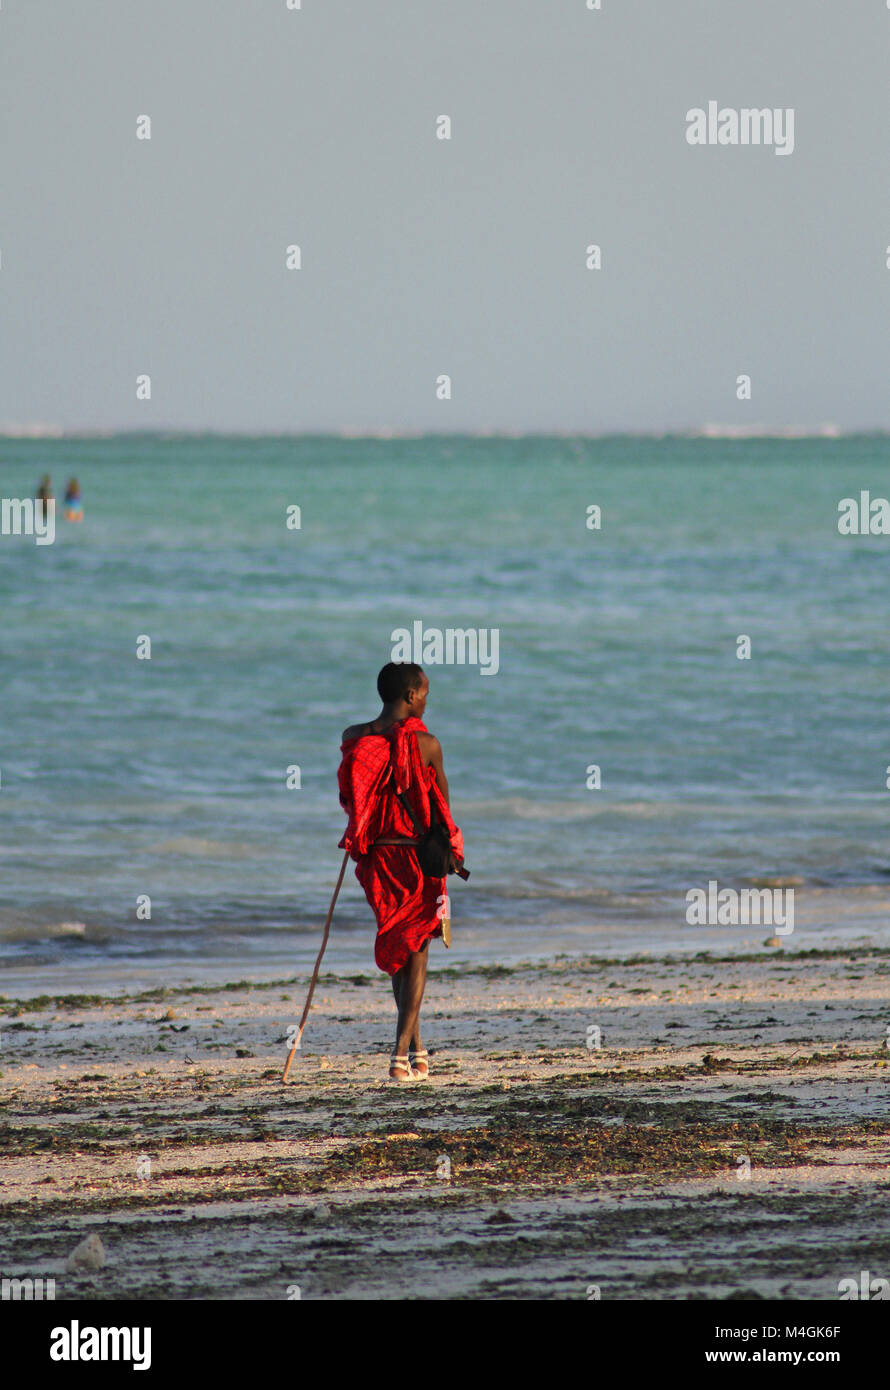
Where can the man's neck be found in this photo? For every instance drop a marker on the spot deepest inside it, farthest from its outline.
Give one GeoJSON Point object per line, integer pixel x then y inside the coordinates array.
{"type": "Point", "coordinates": [393, 714]}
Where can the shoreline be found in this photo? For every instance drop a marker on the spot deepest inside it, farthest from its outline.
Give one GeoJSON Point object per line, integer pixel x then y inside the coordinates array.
{"type": "Point", "coordinates": [478, 948]}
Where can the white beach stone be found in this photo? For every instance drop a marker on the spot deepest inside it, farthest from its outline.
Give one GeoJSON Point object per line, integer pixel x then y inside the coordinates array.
{"type": "Point", "coordinates": [89, 1254]}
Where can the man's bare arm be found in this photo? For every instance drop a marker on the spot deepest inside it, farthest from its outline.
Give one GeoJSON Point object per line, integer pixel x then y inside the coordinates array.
{"type": "Point", "coordinates": [431, 754]}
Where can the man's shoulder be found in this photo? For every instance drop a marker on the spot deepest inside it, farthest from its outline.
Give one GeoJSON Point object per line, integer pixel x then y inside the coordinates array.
{"type": "Point", "coordinates": [353, 731]}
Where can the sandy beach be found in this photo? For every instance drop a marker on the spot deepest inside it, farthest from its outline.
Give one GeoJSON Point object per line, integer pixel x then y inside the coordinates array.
{"type": "Point", "coordinates": [532, 1164]}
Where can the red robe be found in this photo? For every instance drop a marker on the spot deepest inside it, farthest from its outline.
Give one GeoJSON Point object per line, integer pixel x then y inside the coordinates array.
{"type": "Point", "coordinates": [408, 907]}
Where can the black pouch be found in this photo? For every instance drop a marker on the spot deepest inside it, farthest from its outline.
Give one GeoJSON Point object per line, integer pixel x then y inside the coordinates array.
{"type": "Point", "coordinates": [434, 851]}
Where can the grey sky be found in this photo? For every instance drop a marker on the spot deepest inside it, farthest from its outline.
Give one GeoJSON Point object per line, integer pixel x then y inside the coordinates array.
{"type": "Point", "coordinates": [420, 256]}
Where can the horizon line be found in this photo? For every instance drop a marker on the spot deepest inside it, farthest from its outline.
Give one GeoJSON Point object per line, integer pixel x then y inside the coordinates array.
{"type": "Point", "coordinates": [44, 433]}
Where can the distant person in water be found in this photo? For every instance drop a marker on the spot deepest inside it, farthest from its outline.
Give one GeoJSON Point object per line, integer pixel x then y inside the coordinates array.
{"type": "Point", "coordinates": [73, 502]}
{"type": "Point", "coordinates": [44, 494]}
{"type": "Point", "coordinates": [395, 753]}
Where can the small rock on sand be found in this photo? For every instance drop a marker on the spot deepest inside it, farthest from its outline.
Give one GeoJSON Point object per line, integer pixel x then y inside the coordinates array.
{"type": "Point", "coordinates": [90, 1254]}
{"type": "Point", "coordinates": [499, 1218]}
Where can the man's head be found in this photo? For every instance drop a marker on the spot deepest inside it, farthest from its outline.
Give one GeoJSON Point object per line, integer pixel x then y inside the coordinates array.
{"type": "Point", "coordinates": [404, 683]}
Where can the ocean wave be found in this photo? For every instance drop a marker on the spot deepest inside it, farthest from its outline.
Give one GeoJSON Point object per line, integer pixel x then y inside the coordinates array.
{"type": "Point", "coordinates": [201, 848]}
{"type": "Point", "coordinates": [34, 931]}
{"type": "Point", "coordinates": [529, 808]}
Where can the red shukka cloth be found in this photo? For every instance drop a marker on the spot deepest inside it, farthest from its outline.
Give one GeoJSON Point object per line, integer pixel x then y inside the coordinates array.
{"type": "Point", "coordinates": [406, 904]}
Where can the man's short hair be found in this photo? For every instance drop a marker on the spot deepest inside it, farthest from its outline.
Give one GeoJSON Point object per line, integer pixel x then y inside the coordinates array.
{"type": "Point", "coordinates": [397, 678]}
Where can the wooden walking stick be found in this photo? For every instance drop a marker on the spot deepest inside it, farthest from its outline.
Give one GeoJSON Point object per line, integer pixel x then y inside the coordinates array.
{"type": "Point", "coordinates": [324, 942]}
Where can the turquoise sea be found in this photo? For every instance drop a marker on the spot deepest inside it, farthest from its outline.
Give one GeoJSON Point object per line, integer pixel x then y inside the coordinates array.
{"type": "Point", "coordinates": [617, 647]}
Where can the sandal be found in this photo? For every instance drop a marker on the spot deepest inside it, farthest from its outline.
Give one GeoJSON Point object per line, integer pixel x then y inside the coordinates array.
{"type": "Point", "coordinates": [400, 1064]}
{"type": "Point", "coordinates": [420, 1062]}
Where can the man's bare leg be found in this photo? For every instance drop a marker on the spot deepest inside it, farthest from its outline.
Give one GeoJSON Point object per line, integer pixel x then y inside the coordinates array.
{"type": "Point", "coordinates": [408, 985]}
{"type": "Point", "coordinates": [397, 995]}
{"type": "Point", "coordinates": [397, 1069]}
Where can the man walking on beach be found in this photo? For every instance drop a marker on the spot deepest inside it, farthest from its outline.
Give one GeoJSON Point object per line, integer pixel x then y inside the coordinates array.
{"type": "Point", "coordinates": [394, 757]}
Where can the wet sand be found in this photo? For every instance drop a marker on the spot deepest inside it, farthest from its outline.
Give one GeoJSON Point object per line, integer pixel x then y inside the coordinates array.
{"type": "Point", "coordinates": [729, 1138]}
